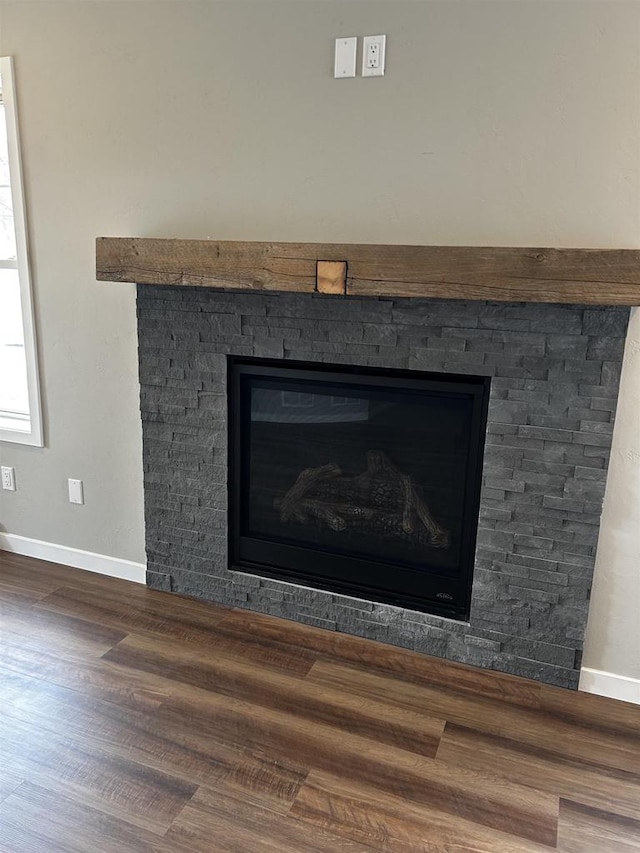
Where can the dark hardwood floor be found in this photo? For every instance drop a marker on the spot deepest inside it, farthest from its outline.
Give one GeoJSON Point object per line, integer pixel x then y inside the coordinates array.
{"type": "Point", "coordinates": [134, 721]}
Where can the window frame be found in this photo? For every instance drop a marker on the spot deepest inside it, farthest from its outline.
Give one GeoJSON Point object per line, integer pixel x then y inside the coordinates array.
{"type": "Point", "coordinates": [34, 435]}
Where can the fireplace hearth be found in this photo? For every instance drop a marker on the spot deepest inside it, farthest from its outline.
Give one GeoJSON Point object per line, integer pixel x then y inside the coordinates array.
{"type": "Point", "coordinates": [357, 481]}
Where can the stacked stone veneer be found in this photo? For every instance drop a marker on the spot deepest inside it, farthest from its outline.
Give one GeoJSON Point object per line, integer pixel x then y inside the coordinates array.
{"type": "Point", "coordinates": [555, 374]}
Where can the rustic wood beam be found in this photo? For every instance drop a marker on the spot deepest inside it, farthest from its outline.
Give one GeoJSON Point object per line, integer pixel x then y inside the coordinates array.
{"type": "Point", "coordinates": [584, 276]}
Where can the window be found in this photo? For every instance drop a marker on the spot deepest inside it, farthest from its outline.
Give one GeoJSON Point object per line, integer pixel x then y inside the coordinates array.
{"type": "Point", "coordinates": [20, 415]}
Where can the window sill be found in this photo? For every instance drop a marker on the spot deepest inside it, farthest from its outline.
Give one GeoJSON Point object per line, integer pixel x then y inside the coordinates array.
{"type": "Point", "coordinates": [19, 429]}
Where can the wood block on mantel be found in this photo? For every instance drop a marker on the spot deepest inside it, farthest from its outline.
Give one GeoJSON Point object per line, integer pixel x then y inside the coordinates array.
{"type": "Point", "coordinates": [331, 277]}
{"type": "Point", "coordinates": [495, 273]}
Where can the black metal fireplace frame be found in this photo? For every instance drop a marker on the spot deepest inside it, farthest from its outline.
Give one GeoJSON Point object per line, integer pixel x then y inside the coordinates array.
{"type": "Point", "coordinates": [425, 591]}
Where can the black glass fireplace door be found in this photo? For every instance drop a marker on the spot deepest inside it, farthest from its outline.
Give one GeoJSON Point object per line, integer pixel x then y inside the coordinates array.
{"type": "Point", "coordinates": [357, 481]}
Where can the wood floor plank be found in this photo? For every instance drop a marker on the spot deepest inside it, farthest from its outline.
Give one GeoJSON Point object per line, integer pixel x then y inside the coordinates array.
{"type": "Point", "coordinates": [194, 624]}
{"type": "Point", "coordinates": [599, 787]}
{"type": "Point", "coordinates": [37, 820]}
{"type": "Point", "coordinates": [14, 592]}
{"type": "Point", "coordinates": [136, 737]}
{"type": "Point", "coordinates": [225, 824]}
{"type": "Point", "coordinates": [380, 656]}
{"type": "Point", "coordinates": [37, 576]}
{"type": "Point", "coordinates": [392, 824]}
{"type": "Point", "coordinates": [134, 734]}
{"type": "Point", "coordinates": [289, 659]}
{"type": "Point", "coordinates": [35, 628]}
{"type": "Point", "coordinates": [93, 724]}
{"type": "Point", "coordinates": [488, 801]}
{"type": "Point", "coordinates": [590, 709]}
{"type": "Point", "coordinates": [585, 830]}
{"type": "Point", "coordinates": [45, 574]}
{"type": "Point", "coordinates": [537, 729]}
{"type": "Point", "coordinates": [263, 780]}
{"type": "Point", "coordinates": [230, 676]}
{"type": "Point", "coordinates": [46, 577]}
{"type": "Point", "coordinates": [93, 677]}
{"type": "Point", "coordinates": [8, 781]}
{"type": "Point", "coordinates": [94, 777]}
{"type": "Point", "coordinates": [143, 614]}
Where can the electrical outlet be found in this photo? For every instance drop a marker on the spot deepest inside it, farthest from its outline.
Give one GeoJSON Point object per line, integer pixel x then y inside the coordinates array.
{"type": "Point", "coordinates": [76, 494]}
{"type": "Point", "coordinates": [373, 56]}
{"type": "Point", "coordinates": [8, 478]}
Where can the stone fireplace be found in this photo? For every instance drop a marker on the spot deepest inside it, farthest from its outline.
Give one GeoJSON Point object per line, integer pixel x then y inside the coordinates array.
{"type": "Point", "coordinates": [544, 328]}
{"type": "Point", "coordinates": [554, 372]}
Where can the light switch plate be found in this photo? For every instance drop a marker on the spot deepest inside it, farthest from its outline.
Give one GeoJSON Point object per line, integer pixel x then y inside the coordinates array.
{"type": "Point", "coordinates": [345, 60]}
{"type": "Point", "coordinates": [76, 494]}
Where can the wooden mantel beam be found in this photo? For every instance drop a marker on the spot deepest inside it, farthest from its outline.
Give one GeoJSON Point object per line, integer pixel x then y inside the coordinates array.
{"type": "Point", "coordinates": [582, 276]}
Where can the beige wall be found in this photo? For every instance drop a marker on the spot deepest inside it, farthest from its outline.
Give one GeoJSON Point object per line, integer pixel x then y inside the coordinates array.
{"type": "Point", "coordinates": [508, 123]}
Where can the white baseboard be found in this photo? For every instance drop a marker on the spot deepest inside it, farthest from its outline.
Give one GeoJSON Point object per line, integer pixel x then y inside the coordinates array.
{"type": "Point", "coordinates": [609, 684]}
{"type": "Point", "coordinates": [112, 566]}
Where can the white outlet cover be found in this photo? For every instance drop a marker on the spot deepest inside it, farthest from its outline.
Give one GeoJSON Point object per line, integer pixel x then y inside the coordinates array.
{"type": "Point", "coordinates": [381, 42]}
{"type": "Point", "coordinates": [8, 478]}
{"type": "Point", "coordinates": [345, 58]}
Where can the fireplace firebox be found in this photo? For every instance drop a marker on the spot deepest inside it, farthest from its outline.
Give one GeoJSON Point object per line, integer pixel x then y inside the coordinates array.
{"type": "Point", "coordinates": [360, 481]}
